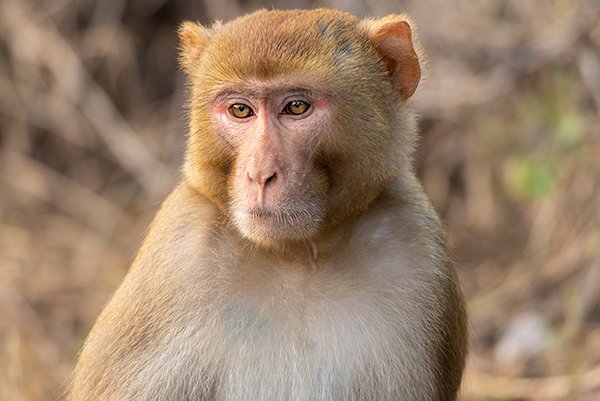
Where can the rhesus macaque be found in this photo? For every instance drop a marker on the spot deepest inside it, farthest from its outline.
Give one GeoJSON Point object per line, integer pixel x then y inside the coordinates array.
{"type": "Point", "coordinates": [298, 259]}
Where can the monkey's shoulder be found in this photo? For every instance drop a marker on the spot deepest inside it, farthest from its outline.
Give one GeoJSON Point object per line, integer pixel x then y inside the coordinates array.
{"type": "Point", "coordinates": [401, 218]}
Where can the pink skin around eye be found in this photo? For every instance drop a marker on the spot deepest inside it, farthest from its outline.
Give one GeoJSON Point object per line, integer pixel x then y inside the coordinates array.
{"type": "Point", "coordinates": [220, 108]}
{"type": "Point", "coordinates": [230, 128]}
{"type": "Point", "coordinates": [320, 103]}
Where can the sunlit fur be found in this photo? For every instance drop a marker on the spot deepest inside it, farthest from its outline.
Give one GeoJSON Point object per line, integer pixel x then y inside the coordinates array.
{"type": "Point", "coordinates": [361, 304]}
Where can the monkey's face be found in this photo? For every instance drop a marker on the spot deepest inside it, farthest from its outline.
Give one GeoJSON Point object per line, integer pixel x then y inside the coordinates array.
{"type": "Point", "coordinates": [297, 119]}
{"type": "Point", "coordinates": [276, 189]}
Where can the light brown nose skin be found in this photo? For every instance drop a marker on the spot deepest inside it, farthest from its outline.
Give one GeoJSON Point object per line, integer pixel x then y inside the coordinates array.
{"type": "Point", "coordinates": [262, 178]}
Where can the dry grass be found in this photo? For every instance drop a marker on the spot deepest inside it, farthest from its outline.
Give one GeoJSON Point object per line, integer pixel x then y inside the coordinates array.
{"type": "Point", "coordinates": [91, 135]}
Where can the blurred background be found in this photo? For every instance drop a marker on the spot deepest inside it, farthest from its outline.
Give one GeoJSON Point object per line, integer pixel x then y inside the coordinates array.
{"type": "Point", "coordinates": [92, 131]}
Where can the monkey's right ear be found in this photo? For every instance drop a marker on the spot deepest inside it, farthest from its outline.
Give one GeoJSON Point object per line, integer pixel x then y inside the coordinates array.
{"type": "Point", "coordinates": [193, 39]}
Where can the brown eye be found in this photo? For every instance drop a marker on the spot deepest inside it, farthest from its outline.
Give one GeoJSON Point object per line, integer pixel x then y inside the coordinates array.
{"type": "Point", "coordinates": [240, 110]}
{"type": "Point", "coordinates": [296, 107]}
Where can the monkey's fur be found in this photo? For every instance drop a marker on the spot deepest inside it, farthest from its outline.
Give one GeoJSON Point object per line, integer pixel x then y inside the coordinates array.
{"type": "Point", "coordinates": [364, 305]}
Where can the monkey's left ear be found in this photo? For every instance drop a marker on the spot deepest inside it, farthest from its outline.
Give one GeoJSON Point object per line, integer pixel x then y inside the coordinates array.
{"type": "Point", "coordinates": [193, 39]}
{"type": "Point", "coordinates": [393, 38]}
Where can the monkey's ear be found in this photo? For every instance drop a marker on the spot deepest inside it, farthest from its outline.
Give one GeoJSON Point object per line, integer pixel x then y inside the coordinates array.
{"type": "Point", "coordinates": [193, 39]}
{"type": "Point", "coordinates": [393, 38]}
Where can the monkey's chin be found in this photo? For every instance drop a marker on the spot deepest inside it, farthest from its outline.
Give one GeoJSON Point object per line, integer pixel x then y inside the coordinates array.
{"type": "Point", "coordinates": [268, 226]}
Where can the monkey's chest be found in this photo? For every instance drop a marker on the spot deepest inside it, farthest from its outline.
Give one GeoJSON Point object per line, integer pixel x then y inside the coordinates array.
{"type": "Point", "coordinates": [294, 343]}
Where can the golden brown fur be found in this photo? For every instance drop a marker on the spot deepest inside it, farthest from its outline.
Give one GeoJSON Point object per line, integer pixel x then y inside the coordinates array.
{"type": "Point", "coordinates": [350, 295]}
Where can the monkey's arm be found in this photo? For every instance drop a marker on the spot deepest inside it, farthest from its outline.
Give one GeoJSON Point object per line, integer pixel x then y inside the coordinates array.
{"type": "Point", "coordinates": [130, 346]}
{"type": "Point", "coordinates": [450, 327]}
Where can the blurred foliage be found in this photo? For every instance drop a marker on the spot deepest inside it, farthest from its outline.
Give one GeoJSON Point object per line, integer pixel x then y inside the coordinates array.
{"type": "Point", "coordinates": [92, 129]}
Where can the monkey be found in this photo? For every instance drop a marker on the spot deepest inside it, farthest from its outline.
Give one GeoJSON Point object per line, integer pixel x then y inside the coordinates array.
{"type": "Point", "coordinates": [298, 258]}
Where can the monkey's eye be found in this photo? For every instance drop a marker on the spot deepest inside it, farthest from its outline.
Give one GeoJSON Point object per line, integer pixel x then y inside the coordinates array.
{"type": "Point", "coordinates": [296, 107]}
{"type": "Point", "coordinates": [240, 110]}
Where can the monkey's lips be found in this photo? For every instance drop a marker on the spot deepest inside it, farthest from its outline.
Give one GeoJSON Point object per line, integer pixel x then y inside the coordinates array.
{"type": "Point", "coordinates": [268, 223]}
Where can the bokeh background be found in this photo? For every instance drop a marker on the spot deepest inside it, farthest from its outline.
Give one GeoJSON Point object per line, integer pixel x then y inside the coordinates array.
{"type": "Point", "coordinates": [91, 136]}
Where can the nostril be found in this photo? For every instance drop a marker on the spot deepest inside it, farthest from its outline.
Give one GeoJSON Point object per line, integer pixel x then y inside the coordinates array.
{"type": "Point", "coordinates": [260, 179]}
{"type": "Point", "coordinates": [270, 179]}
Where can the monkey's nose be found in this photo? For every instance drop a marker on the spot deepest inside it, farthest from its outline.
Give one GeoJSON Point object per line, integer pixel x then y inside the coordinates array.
{"type": "Point", "coordinates": [262, 178]}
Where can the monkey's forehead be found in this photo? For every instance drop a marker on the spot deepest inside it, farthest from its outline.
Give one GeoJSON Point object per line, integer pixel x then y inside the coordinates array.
{"type": "Point", "coordinates": [267, 43]}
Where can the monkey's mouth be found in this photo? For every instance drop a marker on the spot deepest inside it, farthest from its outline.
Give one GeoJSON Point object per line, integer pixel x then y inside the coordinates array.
{"type": "Point", "coordinates": [263, 223]}
{"type": "Point", "coordinates": [269, 215]}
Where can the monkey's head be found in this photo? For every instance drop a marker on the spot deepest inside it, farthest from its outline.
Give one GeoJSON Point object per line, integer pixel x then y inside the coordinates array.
{"type": "Point", "coordinates": [297, 118]}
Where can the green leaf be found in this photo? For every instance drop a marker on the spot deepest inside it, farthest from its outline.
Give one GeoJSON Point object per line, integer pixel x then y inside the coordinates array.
{"type": "Point", "coordinates": [526, 178]}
